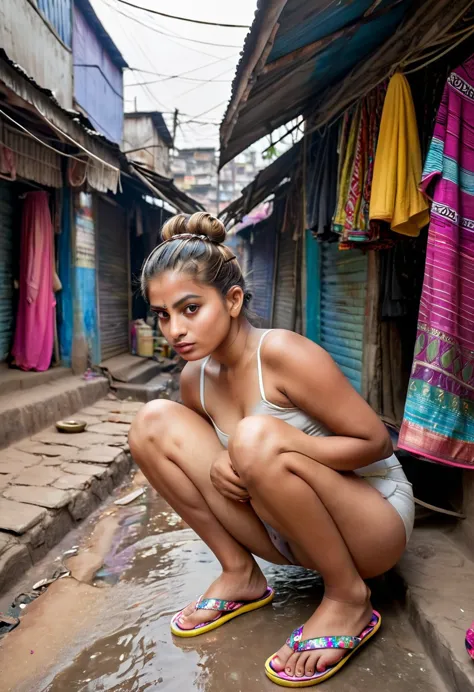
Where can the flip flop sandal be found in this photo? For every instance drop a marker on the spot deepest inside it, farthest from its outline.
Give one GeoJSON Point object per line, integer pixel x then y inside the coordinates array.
{"type": "Point", "coordinates": [228, 611]}
{"type": "Point", "coordinates": [470, 641]}
{"type": "Point", "coordinates": [352, 644]}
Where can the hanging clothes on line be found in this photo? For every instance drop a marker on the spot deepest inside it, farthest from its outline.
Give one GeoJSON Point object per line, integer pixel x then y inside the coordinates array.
{"type": "Point", "coordinates": [439, 411]}
{"type": "Point", "coordinates": [395, 196]}
{"type": "Point", "coordinates": [322, 183]}
{"type": "Point", "coordinates": [357, 144]}
{"type": "Point", "coordinates": [34, 334]}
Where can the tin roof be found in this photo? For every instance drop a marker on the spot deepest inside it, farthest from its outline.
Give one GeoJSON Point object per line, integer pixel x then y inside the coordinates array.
{"type": "Point", "coordinates": [316, 57]}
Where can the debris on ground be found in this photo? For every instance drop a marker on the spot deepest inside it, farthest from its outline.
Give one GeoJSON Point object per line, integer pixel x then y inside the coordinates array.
{"type": "Point", "coordinates": [130, 497]}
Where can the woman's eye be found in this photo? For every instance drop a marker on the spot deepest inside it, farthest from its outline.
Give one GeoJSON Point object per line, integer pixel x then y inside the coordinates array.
{"type": "Point", "coordinates": [162, 315]}
{"type": "Point", "coordinates": [191, 309]}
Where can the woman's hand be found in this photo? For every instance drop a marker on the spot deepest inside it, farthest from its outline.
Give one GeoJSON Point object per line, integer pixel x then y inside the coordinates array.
{"type": "Point", "coordinates": [226, 481]}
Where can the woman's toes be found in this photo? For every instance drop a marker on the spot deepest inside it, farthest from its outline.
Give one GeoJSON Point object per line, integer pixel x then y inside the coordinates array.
{"type": "Point", "coordinates": [301, 665]}
{"type": "Point", "coordinates": [328, 659]}
{"type": "Point", "coordinates": [310, 665]}
{"type": "Point", "coordinates": [281, 658]}
{"type": "Point", "coordinates": [290, 668]}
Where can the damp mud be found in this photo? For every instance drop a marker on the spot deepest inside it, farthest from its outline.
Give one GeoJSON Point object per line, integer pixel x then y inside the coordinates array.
{"type": "Point", "coordinates": [106, 627]}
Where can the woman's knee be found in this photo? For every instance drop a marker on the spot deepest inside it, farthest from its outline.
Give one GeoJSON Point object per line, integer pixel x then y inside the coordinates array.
{"type": "Point", "coordinates": [149, 425]}
{"type": "Point", "coordinates": [254, 444]}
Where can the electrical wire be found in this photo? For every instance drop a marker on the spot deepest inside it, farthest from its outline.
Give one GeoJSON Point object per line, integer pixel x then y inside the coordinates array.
{"type": "Point", "coordinates": [178, 76]}
{"type": "Point", "coordinates": [58, 151]}
{"type": "Point", "coordinates": [164, 33]}
{"type": "Point", "coordinates": [222, 103]}
{"type": "Point", "coordinates": [184, 19]}
{"type": "Point", "coordinates": [212, 80]}
{"type": "Point", "coordinates": [174, 34]}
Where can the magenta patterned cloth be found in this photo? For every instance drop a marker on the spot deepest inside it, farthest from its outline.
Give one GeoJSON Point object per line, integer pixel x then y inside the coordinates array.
{"type": "Point", "coordinates": [439, 411]}
{"type": "Point", "coordinates": [34, 333]}
{"type": "Point", "coordinates": [470, 641]}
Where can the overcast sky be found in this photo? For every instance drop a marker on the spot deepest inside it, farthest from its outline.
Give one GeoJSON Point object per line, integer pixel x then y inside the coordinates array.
{"type": "Point", "coordinates": [156, 44]}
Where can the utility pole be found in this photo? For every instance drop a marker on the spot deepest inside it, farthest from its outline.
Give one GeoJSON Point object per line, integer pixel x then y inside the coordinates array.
{"type": "Point", "coordinates": [175, 126]}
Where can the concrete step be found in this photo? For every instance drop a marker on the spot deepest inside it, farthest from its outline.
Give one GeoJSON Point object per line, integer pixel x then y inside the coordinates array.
{"type": "Point", "coordinates": [439, 580]}
{"type": "Point", "coordinates": [12, 380]}
{"type": "Point", "coordinates": [28, 411]}
{"type": "Point", "coordinates": [131, 369]}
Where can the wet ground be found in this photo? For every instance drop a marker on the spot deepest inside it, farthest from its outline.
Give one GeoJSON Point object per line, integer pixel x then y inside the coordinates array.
{"type": "Point", "coordinates": [107, 626]}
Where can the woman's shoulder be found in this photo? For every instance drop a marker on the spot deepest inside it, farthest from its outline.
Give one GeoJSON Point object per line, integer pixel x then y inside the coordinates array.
{"type": "Point", "coordinates": [283, 345]}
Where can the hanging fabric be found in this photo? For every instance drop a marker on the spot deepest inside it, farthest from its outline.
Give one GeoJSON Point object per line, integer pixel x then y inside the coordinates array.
{"type": "Point", "coordinates": [395, 196]}
{"type": "Point", "coordinates": [439, 412]}
{"type": "Point", "coordinates": [357, 144]}
{"type": "Point", "coordinates": [322, 183]}
{"type": "Point", "coordinates": [34, 335]}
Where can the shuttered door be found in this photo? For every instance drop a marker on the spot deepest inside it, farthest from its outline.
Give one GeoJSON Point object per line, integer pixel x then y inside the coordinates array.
{"type": "Point", "coordinates": [261, 275]}
{"type": "Point", "coordinates": [6, 268]}
{"type": "Point", "coordinates": [113, 279]}
{"type": "Point", "coordinates": [343, 297]}
{"type": "Point", "coordinates": [284, 314]}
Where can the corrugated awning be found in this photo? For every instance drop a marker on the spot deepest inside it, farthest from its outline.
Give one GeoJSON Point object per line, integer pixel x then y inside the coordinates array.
{"type": "Point", "coordinates": [165, 189]}
{"type": "Point", "coordinates": [264, 184]}
{"type": "Point", "coordinates": [317, 57]}
{"type": "Point", "coordinates": [70, 128]}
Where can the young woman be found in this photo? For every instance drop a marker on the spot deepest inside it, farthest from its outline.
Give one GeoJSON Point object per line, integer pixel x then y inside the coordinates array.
{"type": "Point", "coordinates": [272, 453]}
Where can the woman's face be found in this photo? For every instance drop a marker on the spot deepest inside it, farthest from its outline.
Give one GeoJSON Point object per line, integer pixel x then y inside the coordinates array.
{"type": "Point", "coordinates": [193, 317]}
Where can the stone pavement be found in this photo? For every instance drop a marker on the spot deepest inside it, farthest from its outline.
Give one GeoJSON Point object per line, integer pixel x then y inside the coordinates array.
{"type": "Point", "coordinates": [52, 480]}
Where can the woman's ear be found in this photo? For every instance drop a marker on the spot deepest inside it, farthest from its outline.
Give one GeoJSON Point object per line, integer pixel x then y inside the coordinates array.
{"type": "Point", "coordinates": [234, 301]}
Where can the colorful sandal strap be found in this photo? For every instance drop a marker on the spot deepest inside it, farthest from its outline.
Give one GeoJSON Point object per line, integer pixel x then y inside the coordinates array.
{"type": "Point", "coordinates": [334, 642]}
{"type": "Point", "coordinates": [216, 604]}
{"type": "Point", "coordinates": [298, 644]}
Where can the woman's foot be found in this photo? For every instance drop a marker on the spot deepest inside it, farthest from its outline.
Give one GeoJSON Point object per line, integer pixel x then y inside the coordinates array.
{"type": "Point", "coordinates": [332, 618]}
{"type": "Point", "coordinates": [246, 584]}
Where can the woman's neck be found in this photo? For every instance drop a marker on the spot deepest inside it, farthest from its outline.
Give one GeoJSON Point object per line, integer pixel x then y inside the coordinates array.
{"type": "Point", "coordinates": [233, 349]}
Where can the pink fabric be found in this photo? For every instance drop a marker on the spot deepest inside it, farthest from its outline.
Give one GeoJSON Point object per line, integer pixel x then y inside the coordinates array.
{"type": "Point", "coordinates": [34, 334]}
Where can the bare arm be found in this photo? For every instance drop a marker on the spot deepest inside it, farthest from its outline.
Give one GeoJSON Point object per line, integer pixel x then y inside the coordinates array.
{"type": "Point", "coordinates": [310, 379]}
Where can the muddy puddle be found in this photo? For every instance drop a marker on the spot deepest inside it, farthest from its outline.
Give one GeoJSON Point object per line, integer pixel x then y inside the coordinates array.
{"type": "Point", "coordinates": [113, 633]}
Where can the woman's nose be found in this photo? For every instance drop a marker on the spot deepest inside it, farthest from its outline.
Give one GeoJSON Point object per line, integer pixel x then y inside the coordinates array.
{"type": "Point", "coordinates": [177, 329]}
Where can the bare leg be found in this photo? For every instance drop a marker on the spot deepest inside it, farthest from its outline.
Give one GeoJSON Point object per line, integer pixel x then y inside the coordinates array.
{"type": "Point", "coordinates": [175, 448]}
{"type": "Point", "coordinates": [340, 526]}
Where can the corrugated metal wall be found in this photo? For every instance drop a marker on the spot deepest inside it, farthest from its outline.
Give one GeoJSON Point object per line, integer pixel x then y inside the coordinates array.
{"type": "Point", "coordinates": [98, 83]}
{"type": "Point", "coordinates": [6, 268]}
{"type": "Point", "coordinates": [59, 15]}
{"type": "Point", "coordinates": [113, 279]}
{"type": "Point", "coordinates": [342, 312]}
{"type": "Point", "coordinates": [262, 269]}
{"type": "Point", "coordinates": [284, 313]}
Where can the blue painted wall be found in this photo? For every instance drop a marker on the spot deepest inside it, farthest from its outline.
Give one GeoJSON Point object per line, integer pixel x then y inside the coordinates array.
{"type": "Point", "coordinates": [85, 298]}
{"type": "Point", "coordinates": [65, 310]}
{"type": "Point", "coordinates": [98, 83]}
{"type": "Point", "coordinates": [59, 15]}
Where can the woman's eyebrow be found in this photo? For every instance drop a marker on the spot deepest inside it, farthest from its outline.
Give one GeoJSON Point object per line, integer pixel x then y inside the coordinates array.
{"type": "Point", "coordinates": [178, 302]}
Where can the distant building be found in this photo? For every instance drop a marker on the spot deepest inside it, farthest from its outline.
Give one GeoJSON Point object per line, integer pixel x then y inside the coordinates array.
{"type": "Point", "coordinates": [195, 172]}
{"type": "Point", "coordinates": [147, 140]}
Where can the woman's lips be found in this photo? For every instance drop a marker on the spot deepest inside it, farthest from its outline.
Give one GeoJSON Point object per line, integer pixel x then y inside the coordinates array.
{"type": "Point", "coordinates": [183, 348]}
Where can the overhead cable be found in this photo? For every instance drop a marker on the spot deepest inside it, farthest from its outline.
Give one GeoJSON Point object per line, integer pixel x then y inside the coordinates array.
{"type": "Point", "coordinates": [184, 19]}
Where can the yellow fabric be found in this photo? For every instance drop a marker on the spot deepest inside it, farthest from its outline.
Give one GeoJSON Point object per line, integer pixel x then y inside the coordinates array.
{"type": "Point", "coordinates": [395, 195]}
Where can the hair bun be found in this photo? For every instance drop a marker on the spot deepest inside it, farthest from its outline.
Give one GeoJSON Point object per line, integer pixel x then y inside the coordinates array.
{"type": "Point", "coordinates": [200, 223]}
{"type": "Point", "coordinates": [203, 223]}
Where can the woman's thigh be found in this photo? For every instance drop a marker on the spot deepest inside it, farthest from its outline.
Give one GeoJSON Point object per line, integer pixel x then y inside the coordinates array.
{"type": "Point", "coordinates": [371, 528]}
{"type": "Point", "coordinates": [166, 433]}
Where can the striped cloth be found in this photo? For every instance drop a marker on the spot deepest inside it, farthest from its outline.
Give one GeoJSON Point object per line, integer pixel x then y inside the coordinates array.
{"type": "Point", "coordinates": [439, 411]}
